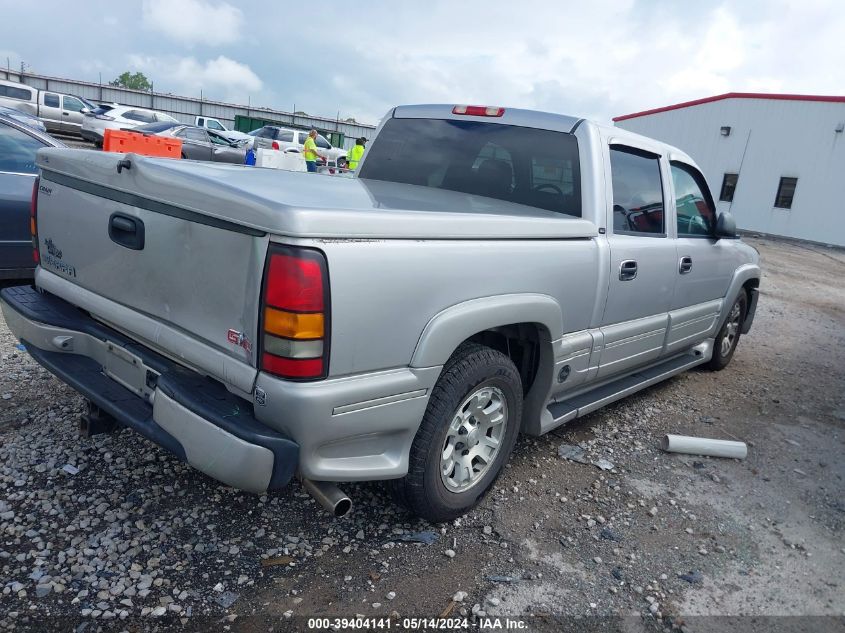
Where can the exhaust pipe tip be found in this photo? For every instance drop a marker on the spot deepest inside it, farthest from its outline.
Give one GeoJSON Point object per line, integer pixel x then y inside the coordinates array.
{"type": "Point", "coordinates": [329, 496]}
{"type": "Point", "coordinates": [342, 507]}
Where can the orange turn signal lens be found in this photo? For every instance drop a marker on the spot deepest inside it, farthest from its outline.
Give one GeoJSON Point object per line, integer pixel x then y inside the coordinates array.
{"type": "Point", "coordinates": [32, 230]}
{"type": "Point", "coordinates": [293, 324]}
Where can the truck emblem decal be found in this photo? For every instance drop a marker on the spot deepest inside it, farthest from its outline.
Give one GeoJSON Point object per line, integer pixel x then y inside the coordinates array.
{"type": "Point", "coordinates": [52, 248]}
{"type": "Point", "coordinates": [239, 339]}
{"type": "Point", "coordinates": [53, 259]}
{"type": "Point", "coordinates": [260, 397]}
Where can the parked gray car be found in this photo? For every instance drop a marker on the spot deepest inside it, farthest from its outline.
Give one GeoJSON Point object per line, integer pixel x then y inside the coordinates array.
{"type": "Point", "coordinates": [199, 143]}
{"type": "Point", "coordinates": [18, 146]}
{"type": "Point", "coordinates": [487, 272]}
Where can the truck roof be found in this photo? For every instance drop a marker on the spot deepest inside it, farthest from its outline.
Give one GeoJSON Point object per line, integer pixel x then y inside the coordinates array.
{"type": "Point", "coordinates": [540, 120]}
{"type": "Point", "coordinates": [509, 116]}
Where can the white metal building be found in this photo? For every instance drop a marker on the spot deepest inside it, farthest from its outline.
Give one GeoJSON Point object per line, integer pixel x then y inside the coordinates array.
{"type": "Point", "coordinates": [775, 161]}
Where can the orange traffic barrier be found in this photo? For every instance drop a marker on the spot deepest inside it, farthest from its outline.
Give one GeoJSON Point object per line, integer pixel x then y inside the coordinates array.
{"type": "Point", "coordinates": [147, 145]}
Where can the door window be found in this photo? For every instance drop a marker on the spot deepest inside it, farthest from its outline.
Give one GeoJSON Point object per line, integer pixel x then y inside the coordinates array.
{"type": "Point", "coordinates": [637, 192]}
{"type": "Point", "coordinates": [194, 134]}
{"type": "Point", "coordinates": [214, 125]}
{"type": "Point", "coordinates": [695, 210]}
{"type": "Point", "coordinates": [17, 151]}
{"type": "Point", "coordinates": [51, 100]}
{"type": "Point", "coordinates": [322, 143]}
{"type": "Point", "coordinates": [217, 139]}
{"type": "Point", "coordinates": [285, 137]}
{"type": "Point", "coordinates": [72, 104]}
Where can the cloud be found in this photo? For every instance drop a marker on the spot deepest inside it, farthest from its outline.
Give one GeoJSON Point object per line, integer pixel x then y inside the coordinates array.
{"type": "Point", "coordinates": [597, 59]}
{"type": "Point", "coordinates": [220, 78]}
{"type": "Point", "coordinates": [194, 21]}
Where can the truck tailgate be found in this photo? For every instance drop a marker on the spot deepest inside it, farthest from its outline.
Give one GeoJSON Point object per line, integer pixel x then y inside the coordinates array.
{"type": "Point", "coordinates": [107, 233]}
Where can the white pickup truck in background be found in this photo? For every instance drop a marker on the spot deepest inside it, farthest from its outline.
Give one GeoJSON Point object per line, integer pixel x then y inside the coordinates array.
{"type": "Point", "coordinates": [215, 124]}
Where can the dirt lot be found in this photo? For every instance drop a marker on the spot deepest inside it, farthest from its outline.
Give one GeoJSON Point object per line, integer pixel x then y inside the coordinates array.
{"type": "Point", "coordinates": [134, 540]}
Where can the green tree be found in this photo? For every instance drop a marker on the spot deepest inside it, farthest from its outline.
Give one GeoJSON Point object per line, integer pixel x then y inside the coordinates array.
{"type": "Point", "coordinates": [136, 81]}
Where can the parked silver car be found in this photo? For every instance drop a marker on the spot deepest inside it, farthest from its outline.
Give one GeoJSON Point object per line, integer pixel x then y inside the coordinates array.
{"type": "Point", "coordinates": [487, 272]}
{"type": "Point", "coordinates": [199, 143]}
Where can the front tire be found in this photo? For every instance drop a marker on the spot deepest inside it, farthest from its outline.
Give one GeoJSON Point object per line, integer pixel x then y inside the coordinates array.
{"type": "Point", "coordinates": [728, 337]}
{"type": "Point", "coordinates": [466, 436]}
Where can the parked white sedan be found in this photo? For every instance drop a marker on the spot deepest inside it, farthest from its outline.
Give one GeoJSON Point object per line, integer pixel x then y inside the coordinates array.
{"type": "Point", "coordinates": [118, 117]}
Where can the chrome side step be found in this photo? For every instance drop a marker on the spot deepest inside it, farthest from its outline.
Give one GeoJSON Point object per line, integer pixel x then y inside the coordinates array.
{"type": "Point", "coordinates": [618, 388]}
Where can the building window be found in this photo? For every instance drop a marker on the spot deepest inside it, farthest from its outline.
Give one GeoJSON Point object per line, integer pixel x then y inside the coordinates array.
{"type": "Point", "coordinates": [786, 191]}
{"type": "Point", "coordinates": [728, 187]}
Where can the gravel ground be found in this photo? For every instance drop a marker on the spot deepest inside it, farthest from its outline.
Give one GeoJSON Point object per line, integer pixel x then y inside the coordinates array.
{"type": "Point", "coordinates": [113, 532]}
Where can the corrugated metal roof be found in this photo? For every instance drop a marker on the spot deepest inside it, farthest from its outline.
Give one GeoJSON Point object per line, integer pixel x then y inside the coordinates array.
{"type": "Point", "coordinates": [733, 95]}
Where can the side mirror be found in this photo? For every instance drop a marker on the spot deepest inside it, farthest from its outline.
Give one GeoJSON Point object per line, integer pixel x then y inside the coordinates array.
{"type": "Point", "coordinates": [85, 110]}
{"type": "Point", "coordinates": [725, 226]}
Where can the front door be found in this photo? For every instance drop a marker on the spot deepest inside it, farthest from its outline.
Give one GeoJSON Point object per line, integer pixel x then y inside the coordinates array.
{"type": "Point", "coordinates": [72, 114]}
{"type": "Point", "coordinates": [705, 264]}
{"type": "Point", "coordinates": [642, 266]}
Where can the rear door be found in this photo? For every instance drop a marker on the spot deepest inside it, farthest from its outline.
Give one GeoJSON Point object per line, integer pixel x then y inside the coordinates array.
{"type": "Point", "coordinates": [195, 143]}
{"type": "Point", "coordinates": [643, 258]}
{"type": "Point", "coordinates": [50, 111]}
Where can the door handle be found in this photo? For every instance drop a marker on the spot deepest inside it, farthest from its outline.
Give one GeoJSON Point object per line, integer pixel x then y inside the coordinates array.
{"type": "Point", "coordinates": [126, 231]}
{"type": "Point", "coordinates": [685, 264]}
{"type": "Point", "coordinates": [66, 113]}
{"type": "Point", "coordinates": [628, 270]}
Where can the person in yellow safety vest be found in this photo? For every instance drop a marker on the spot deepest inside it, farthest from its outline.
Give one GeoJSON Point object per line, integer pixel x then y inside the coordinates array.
{"type": "Point", "coordinates": [310, 151]}
{"type": "Point", "coordinates": [355, 154]}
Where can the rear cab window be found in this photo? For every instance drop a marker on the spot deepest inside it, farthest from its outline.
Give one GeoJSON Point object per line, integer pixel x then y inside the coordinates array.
{"type": "Point", "coordinates": [528, 166]}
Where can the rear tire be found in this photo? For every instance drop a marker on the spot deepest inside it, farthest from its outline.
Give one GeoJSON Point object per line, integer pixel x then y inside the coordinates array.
{"type": "Point", "coordinates": [466, 436]}
{"type": "Point", "coordinates": [728, 337]}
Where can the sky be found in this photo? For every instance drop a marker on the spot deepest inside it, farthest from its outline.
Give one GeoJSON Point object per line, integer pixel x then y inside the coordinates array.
{"type": "Point", "coordinates": [596, 59]}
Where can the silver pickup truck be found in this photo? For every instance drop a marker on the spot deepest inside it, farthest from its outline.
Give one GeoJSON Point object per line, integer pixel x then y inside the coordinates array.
{"type": "Point", "coordinates": [487, 272]}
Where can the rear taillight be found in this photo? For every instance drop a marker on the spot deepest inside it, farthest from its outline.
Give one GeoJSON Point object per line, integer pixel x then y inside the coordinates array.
{"type": "Point", "coordinates": [470, 110]}
{"type": "Point", "coordinates": [33, 220]}
{"type": "Point", "coordinates": [275, 145]}
{"type": "Point", "coordinates": [295, 314]}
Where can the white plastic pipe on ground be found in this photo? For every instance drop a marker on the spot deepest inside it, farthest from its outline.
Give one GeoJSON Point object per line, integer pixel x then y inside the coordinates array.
{"type": "Point", "coordinates": [703, 446]}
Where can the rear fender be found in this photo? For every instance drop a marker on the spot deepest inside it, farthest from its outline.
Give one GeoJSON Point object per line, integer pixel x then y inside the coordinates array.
{"type": "Point", "coordinates": [449, 328]}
